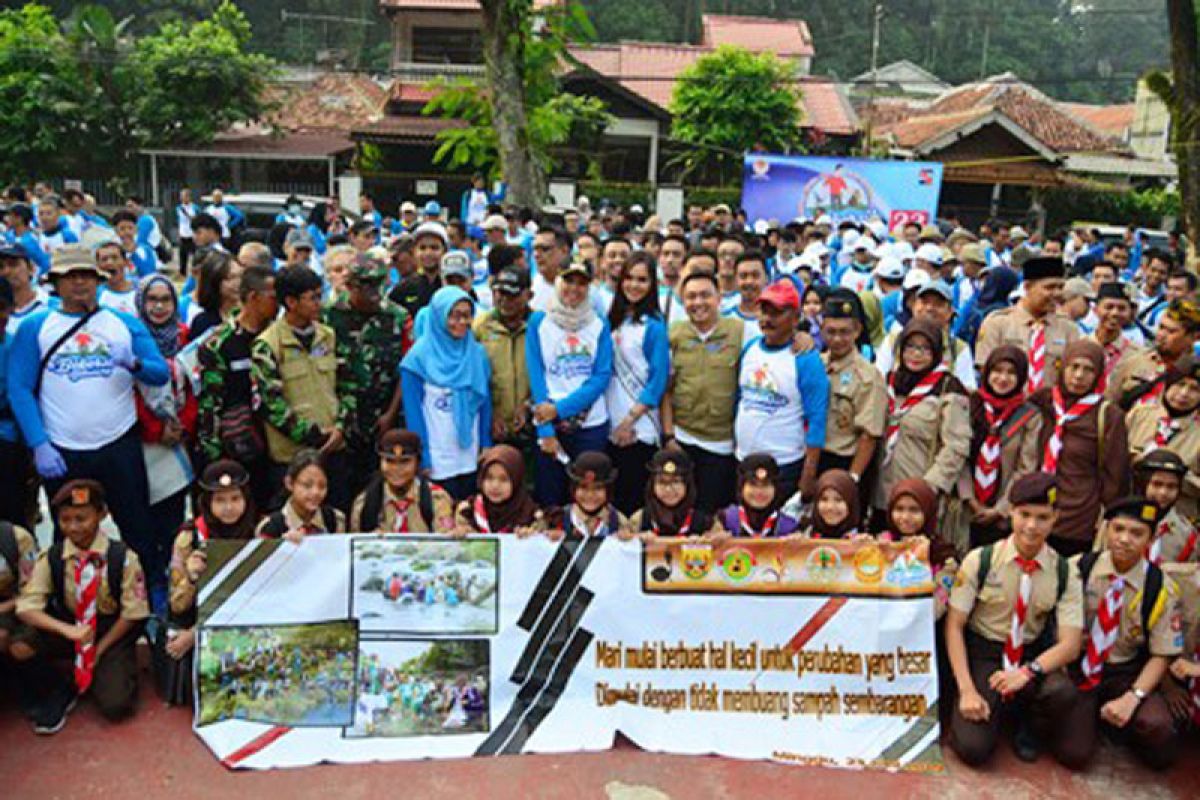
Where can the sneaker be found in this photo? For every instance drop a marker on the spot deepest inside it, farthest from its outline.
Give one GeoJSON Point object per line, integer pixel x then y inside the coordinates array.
{"type": "Point", "coordinates": [51, 718]}
{"type": "Point", "coordinates": [1025, 745]}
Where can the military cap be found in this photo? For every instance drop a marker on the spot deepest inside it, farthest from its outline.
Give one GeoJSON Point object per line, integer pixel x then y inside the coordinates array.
{"type": "Point", "coordinates": [367, 268]}
{"type": "Point", "coordinates": [1034, 489]}
{"type": "Point", "coordinates": [79, 493]}
{"type": "Point", "coordinates": [1134, 507]}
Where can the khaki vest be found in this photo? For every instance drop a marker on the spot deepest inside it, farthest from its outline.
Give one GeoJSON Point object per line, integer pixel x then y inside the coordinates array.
{"type": "Point", "coordinates": [309, 381]}
{"type": "Point", "coordinates": [706, 378]}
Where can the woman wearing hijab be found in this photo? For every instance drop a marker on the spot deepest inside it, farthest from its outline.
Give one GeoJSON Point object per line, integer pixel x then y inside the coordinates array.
{"type": "Point", "coordinates": [1084, 444]}
{"type": "Point", "coordinates": [1005, 437]}
{"type": "Point", "coordinates": [927, 433]}
{"type": "Point", "coordinates": [502, 505]}
{"type": "Point", "coordinates": [444, 381]}
{"type": "Point", "coordinates": [757, 510]}
{"type": "Point", "coordinates": [835, 511]}
{"type": "Point", "coordinates": [1172, 422]}
{"type": "Point", "coordinates": [999, 283]}
{"type": "Point", "coordinates": [670, 508]}
{"type": "Point", "coordinates": [569, 352]}
{"type": "Point", "coordinates": [167, 415]}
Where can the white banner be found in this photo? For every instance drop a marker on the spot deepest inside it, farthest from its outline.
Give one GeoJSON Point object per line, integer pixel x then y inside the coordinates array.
{"type": "Point", "coordinates": [361, 648]}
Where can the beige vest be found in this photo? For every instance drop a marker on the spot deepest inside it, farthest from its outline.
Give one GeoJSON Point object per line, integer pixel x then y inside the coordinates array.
{"type": "Point", "coordinates": [309, 382]}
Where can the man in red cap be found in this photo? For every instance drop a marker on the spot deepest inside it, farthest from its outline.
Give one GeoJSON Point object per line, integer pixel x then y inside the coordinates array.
{"type": "Point", "coordinates": [782, 396]}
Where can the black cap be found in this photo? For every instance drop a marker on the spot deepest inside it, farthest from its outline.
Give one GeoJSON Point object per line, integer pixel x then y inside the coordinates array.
{"type": "Point", "coordinates": [1115, 290]}
{"type": "Point", "coordinates": [670, 461]}
{"type": "Point", "coordinates": [1043, 267]}
{"type": "Point", "coordinates": [1034, 489]}
{"type": "Point", "coordinates": [593, 467]}
{"type": "Point", "coordinates": [511, 280]}
{"type": "Point", "coordinates": [224, 474]}
{"type": "Point", "coordinates": [1161, 460]}
{"type": "Point", "coordinates": [13, 250]}
{"type": "Point", "coordinates": [398, 443]}
{"type": "Point", "coordinates": [841, 304]}
{"type": "Point", "coordinates": [1134, 507]}
{"type": "Point", "coordinates": [78, 493]}
{"type": "Point", "coordinates": [758, 466]}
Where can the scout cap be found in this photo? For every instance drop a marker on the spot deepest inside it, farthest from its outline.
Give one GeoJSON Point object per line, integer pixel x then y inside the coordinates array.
{"type": "Point", "coordinates": [1161, 460]}
{"type": "Point", "coordinates": [781, 294]}
{"type": "Point", "coordinates": [73, 258]}
{"type": "Point", "coordinates": [457, 264]}
{"type": "Point", "coordinates": [1134, 507]}
{"type": "Point", "coordinates": [670, 461]}
{"type": "Point", "coordinates": [224, 474]}
{"type": "Point", "coordinates": [1034, 489]}
{"type": "Point", "coordinates": [758, 467]}
{"type": "Point", "coordinates": [1042, 267]}
{"type": "Point", "coordinates": [78, 493]}
{"type": "Point", "coordinates": [398, 443]}
{"type": "Point", "coordinates": [938, 287]}
{"type": "Point", "coordinates": [592, 467]}
{"type": "Point", "coordinates": [1078, 287]}
{"type": "Point", "coordinates": [495, 223]}
{"type": "Point", "coordinates": [511, 281]}
{"type": "Point", "coordinates": [972, 252]}
{"type": "Point", "coordinates": [298, 239]}
{"type": "Point", "coordinates": [930, 252]}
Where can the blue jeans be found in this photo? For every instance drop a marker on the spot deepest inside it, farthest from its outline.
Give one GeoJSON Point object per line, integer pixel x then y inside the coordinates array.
{"type": "Point", "coordinates": [550, 484]}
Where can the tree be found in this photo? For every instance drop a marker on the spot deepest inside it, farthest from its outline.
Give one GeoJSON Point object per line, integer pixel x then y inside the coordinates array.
{"type": "Point", "coordinates": [731, 101]}
{"type": "Point", "coordinates": [513, 120]}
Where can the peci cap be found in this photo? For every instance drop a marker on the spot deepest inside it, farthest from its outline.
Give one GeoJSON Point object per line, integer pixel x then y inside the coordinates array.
{"type": "Point", "coordinates": [1161, 460]}
{"type": "Point", "coordinates": [73, 258]}
{"type": "Point", "coordinates": [223, 474]}
{"type": "Point", "coordinates": [78, 493]}
{"type": "Point", "coordinates": [511, 281]}
{"type": "Point", "coordinates": [1043, 267]}
{"type": "Point", "coordinates": [1113, 290]}
{"type": "Point", "coordinates": [781, 294]}
{"type": "Point", "coordinates": [1034, 489]}
{"type": "Point", "coordinates": [1134, 507]}
{"type": "Point", "coordinates": [399, 443]}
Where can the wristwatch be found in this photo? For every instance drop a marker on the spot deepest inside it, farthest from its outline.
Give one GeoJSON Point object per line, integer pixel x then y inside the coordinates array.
{"type": "Point", "coordinates": [1138, 693]}
{"type": "Point", "coordinates": [1037, 670]}
{"type": "Point", "coordinates": [854, 476]}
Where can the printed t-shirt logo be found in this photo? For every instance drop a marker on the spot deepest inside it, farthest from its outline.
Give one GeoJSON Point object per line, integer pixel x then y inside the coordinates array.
{"type": "Point", "coordinates": [573, 359]}
{"type": "Point", "coordinates": [761, 392]}
{"type": "Point", "coordinates": [83, 357]}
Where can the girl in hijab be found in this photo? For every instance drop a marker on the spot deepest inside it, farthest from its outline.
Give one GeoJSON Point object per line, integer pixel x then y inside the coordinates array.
{"type": "Point", "coordinates": [641, 366]}
{"type": "Point", "coordinates": [928, 430]}
{"type": "Point", "coordinates": [1084, 444]}
{"type": "Point", "coordinates": [1005, 434]}
{"type": "Point", "coordinates": [444, 382]}
{"type": "Point", "coordinates": [167, 415]}
{"type": "Point", "coordinates": [590, 512]}
{"type": "Point", "coordinates": [670, 508]}
{"type": "Point", "coordinates": [1172, 422]}
{"type": "Point", "coordinates": [502, 504]}
{"type": "Point", "coordinates": [835, 512]}
{"type": "Point", "coordinates": [757, 511]}
{"type": "Point", "coordinates": [812, 301]}
{"type": "Point", "coordinates": [569, 352]}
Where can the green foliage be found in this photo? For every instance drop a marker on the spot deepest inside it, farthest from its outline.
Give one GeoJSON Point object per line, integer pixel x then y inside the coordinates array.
{"type": "Point", "coordinates": [554, 117]}
{"type": "Point", "coordinates": [83, 94]}
{"type": "Point", "coordinates": [731, 101]}
{"type": "Point", "coordinates": [1145, 208]}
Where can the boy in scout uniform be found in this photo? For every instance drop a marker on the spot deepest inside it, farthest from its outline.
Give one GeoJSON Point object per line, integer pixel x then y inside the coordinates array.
{"type": "Point", "coordinates": [1176, 539]}
{"type": "Point", "coordinates": [1135, 627]}
{"type": "Point", "coordinates": [1032, 324]}
{"type": "Point", "coordinates": [857, 395]}
{"type": "Point", "coordinates": [73, 603]}
{"type": "Point", "coordinates": [398, 499]}
{"type": "Point", "coordinates": [1141, 377]}
{"type": "Point", "coordinates": [18, 553]}
{"type": "Point", "coordinates": [997, 634]}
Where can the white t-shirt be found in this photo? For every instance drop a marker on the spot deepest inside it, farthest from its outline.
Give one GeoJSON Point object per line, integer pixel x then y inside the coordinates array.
{"type": "Point", "coordinates": [446, 458]}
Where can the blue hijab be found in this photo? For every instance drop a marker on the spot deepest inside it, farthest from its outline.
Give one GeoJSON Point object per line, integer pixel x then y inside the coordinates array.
{"type": "Point", "coordinates": [458, 364]}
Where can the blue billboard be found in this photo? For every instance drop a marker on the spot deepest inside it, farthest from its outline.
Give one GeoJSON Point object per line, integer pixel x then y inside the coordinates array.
{"type": "Point", "coordinates": [790, 187]}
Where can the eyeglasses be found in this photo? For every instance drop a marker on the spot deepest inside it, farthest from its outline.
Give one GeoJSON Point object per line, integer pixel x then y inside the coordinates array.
{"type": "Point", "coordinates": [917, 347]}
{"type": "Point", "coordinates": [461, 316]}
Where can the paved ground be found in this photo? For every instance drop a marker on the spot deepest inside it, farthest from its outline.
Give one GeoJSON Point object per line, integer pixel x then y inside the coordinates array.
{"type": "Point", "coordinates": [156, 755]}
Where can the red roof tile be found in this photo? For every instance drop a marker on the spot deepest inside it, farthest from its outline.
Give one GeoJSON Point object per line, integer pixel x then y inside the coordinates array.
{"type": "Point", "coordinates": [405, 128]}
{"type": "Point", "coordinates": [292, 144]}
{"type": "Point", "coordinates": [1111, 120]}
{"type": "Point", "coordinates": [784, 37]}
{"type": "Point", "coordinates": [433, 5]}
{"type": "Point", "coordinates": [337, 101]}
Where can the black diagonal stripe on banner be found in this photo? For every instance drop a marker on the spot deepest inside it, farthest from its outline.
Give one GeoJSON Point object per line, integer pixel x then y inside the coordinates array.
{"type": "Point", "coordinates": [546, 585]}
{"type": "Point", "coordinates": [549, 696]}
{"type": "Point", "coordinates": [567, 622]}
{"type": "Point", "coordinates": [551, 634]}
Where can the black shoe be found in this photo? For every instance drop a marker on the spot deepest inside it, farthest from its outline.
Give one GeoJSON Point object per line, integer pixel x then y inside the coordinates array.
{"type": "Point", "coordinates": [51, 718]}
{"type": "Point", "coordinates": [1025, 745]}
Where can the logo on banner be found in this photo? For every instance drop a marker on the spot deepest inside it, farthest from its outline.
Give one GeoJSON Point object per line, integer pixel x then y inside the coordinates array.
{"type": "Point", "coordinates": [738, 564]}
{"type": "Point", "coordinates": [696, 560]}
{"type": "Point", "coordinates": [841, 193]}
{"type": "Point", "coordinates": [868, 564]}
{"type": "Point", "coordinates": [907, 570]}
{"type": "Point", "coordinates": [760, 167]}
{"type": "Point", "coordinates": [823, 564]}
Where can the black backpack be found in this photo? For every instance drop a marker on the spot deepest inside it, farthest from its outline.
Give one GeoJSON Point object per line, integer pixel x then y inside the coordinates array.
{"type": "Point", "coordinates": [373, 504]}
{"type": "Point", "coordinates": [1154, 586]}
{"type": "Point", "coordinates": [985, 566]}
{"type": "Point", "coordinates": [115, 565]}
{"type": "Point", "coordinates": [276, 524]}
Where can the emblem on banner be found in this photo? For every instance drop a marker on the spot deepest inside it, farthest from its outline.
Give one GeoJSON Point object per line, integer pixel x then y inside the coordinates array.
{"type": "Point", "coordinates": [738, 564]}
{"type": "Point", "coordinates": [823, 564]}
{"type": "Point", "coordinates": [868, 564]}
{"type": "Point", "coordinates": [696, 560]}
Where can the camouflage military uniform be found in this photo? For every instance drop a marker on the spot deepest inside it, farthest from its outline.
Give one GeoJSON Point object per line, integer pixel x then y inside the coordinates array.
{"type": "Point", "coordinates": [225, 379]}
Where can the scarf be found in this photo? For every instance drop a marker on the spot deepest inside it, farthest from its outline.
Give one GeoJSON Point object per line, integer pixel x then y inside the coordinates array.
{"type": "Point", "coordinates": [839, 482]}
{"type": "Point", "coordinates": [213, 528]}
{"type": "Point", "coordinates": [904, 378]}
{"type": "Point", "coordinates": [919, 392]}
{"type": "Point", "coordinates": [168, 336]}
{"type": "Point", "coordinates": [518, 509]}
{"type": "Point", "coordinates": [1078, 406]}
{"type": "Point", "coordinates": [571, 319]}
{"type": "Point", "coordinates": [441, 360]}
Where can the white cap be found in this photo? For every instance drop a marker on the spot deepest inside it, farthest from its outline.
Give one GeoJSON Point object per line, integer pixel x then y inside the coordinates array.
{"type": "Point", "coordinates": [884, 250]}
{"type": "Point", "coordinates": [865, 243]}
{"type": "Point", "coordinates": [806, 261]}
{"type": "Point", "coordinates": [878, 228]}
{"type": "Point", "coordinates": [849, 238]}
{"type": "Point", "coordinates": [408, 206]}
{"type": "Point", "coordinates": [431, 229]}
{"type": "Point", "coordinates": [636, 209]}
{"type": "Point", "coordinates": [930, 253]}
{"type": "Point", "coordinates": [891, 268]}
{"type": "Point", "coordinates": [761, 226]}
{"type": "Point", "coordinates": [817, 249]}
{"type": "Point", "coordinates": [495, 223]}
{"type": "Point", "coordinates": [917, 279]}
{"type": "Point", "coordinates": [1017, 232]}
{"type": "Point", "coordinates": [825, 219]}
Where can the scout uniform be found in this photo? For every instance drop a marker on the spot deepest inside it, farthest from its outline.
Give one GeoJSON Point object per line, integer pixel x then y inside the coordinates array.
{"type": "Point", "coordinates": [1152, 428]}
{"type": "Point", "coordinates": [1016, 326]}
{"type": "Point", "coordinates": [326, 520]}
{"type": "Point", "coordinates": [1140, 378]}
{"type": "Point", "coordinates": [987, 589]}
{"type": "Point", "coordinates": [1121, 348]}
{"type": "Point", "coordinates": [857, 398]}
{"type": "Point", "coordinates": [424, 507]}
{"type": "Point", "coordinates": [1148, 623]}
{"type": "Point", "coordinates": [18, 553]}
{"type": "Point", "coordinates": [59, 586]}
{"type": "Point", "coordinates": [1176, 537]}
{"type": "Point", "coordinates": [573, 521]}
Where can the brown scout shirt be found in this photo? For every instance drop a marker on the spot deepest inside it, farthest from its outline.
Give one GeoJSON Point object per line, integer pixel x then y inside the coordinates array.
{"type": "Point", "coordinates": [293, 521]}
{"type": "Point", "coordinates": [443, 511]}
{"type": "Point", "coordinates": [1014, 325]}
{"type": "Point", "coordinates": [36, 593]}
{"type": "Point", "coordinates": [857, 402]}
{"type": "Point", "coordinates": [1019, 455]}
{"type": "Point", "coordinates": [935, 438]}
{"type": "Point", "coordinates": [1134, 370]}
{"type": "Point", "coordinates": [1142, 424]}
{"type": "Point", "coordinates": [1166, 635]}
{"type": "Point", "coordinates": [989, 607]}
{"type": "Point", "coordinates": [27, 554]}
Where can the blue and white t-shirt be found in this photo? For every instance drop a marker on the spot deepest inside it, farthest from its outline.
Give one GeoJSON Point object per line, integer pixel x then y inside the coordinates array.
{"type": "Point", "coordinates": [569, 368]}
{"type": "Point", "coordinates": [780, 394]}
{"type": "Point", "coordinates": [641, 366]}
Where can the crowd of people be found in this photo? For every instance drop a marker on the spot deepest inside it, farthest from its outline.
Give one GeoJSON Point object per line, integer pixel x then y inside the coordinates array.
{"type": "Point", "coordinates": [1026, 402]}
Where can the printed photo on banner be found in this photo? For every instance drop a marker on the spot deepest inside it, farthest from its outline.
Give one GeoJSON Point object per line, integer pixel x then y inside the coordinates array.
{"type": "Point", "coordinates": [778, 566]}
{"type": "Point", "coordinates": [421, 688]}
{"type": "Point", "coordinates": [425, 585]}
{"type": "Point", "coordinates": [295, 675]}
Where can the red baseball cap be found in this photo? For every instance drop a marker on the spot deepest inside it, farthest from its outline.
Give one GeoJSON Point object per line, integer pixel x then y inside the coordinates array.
{"type": "Point", "coordinates": [781, 294]}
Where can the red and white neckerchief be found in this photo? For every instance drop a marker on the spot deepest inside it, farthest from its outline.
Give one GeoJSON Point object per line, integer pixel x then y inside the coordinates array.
{"type": "Point", "coordinates": [1105, 629]}
{"type": "Point", "coordinates": [987, 464]}
{"type": "Point", "coordinates": [919, 393]}
{"type": "Point", "coordinates": [88, 569]}
{"type": "Point", "coordinates": [1014, 646]}
{"type": "Point", "coordinates": [1112, 354]}
{"type": "Point", "coordinates": [1037, 355]}
{"type": "Point", "coordinates": [1189, 547]}
{"type": "Point", "coordinates": [767, 529]}
{"type": "Point", "coordinates": [1154, 549]}
{"type": "Point", "coordinates": [480, 514]}
{"type": "Point", "coordinates": [202, 529]}
{"type": "Point", "coordinates": [684, 529]}
{"type": "Point", "coordinates": [401, 508]}
{"type": "Point", "coordinates": [1063, 415]}
{"type": "Point", "coordinates": [1160, 385]}
{"type": "Point", "coordinates": [1166, 429]}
